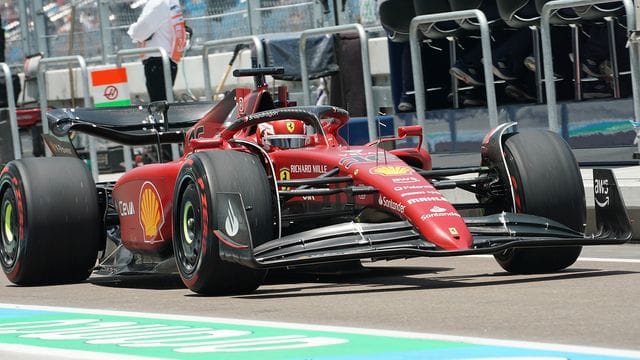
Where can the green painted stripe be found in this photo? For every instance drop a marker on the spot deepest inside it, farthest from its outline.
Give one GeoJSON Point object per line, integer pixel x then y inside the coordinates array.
{"type": "Point", "coordinates": [126, 102]}
{"type": "Point", "coordinates": [193, 340]}
{"type": "Point", "coordinates": [66, 332]}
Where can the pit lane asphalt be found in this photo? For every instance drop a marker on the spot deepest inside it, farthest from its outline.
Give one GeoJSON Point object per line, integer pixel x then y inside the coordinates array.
{"type": "Point", "coordinates": [593, 303]}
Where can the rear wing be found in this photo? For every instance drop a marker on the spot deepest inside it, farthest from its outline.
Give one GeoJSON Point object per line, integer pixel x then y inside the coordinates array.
{"type": "Point", "coordinates": [130, 125]}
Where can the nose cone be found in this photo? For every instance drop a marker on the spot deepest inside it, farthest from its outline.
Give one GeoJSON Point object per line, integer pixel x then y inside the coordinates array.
{"type": "Point", "coordinates": [440, 223]}
{"type": "Point", "coordinates": [406, 193]}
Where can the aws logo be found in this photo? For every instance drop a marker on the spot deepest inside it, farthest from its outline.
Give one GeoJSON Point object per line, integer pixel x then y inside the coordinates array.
{"type": "Point", "coordinates": [151, 212]}
{"type": "Point", "coordinates": [387, 170]}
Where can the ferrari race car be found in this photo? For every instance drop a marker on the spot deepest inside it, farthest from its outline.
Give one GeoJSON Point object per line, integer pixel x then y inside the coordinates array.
{"type": "Point", "coordinates": [264, 184]}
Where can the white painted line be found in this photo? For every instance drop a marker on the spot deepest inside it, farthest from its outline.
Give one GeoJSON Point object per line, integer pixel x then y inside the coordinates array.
{"type": "Point", "coordinates": [348, 330]}
{"type": "Point", "coordinates": [614, 260]}
{"type": "Point", "coordinates": [586, 259]}
{"type": "Point", "coordinates": [53, 353]}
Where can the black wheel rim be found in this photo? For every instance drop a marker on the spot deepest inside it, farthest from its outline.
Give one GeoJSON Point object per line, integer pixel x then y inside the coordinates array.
{"type": "Point", "coordinates": [9, 230]}
{"type": "Point", "coordinates": [190, 230]}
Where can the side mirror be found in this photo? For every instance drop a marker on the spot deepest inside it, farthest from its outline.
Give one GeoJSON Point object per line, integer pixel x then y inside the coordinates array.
{"type": "Point", "coordinates": [413, 130]}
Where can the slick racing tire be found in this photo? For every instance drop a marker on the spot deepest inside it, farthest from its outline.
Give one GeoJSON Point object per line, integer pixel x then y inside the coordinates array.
{"type": "Point", "coordinates": [205, 176]}
{"type": "Point", "coordinates": [546, 182]}
{"type": "Point", "coordinates": [50, 221]}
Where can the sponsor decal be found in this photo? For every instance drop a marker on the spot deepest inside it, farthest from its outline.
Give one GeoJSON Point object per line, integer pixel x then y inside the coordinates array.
{"type": "Point", "coordinates": [405, 180]}
{"type": "Point", "coordinates": [285, 174]}
{"type": "Point", "coordinates": [290, 126]}
{"type": "Point", "coordinates": [308, 168]}
{"type": "Point", "coordinates": [416, 187]}
{"type": "Point", "coordinates": [390, 204]}
{"type": "Point", "coordinates": [437, 209]}
{"type": "Point", "coordinates": [133, 335]}
{"type": "Point", "coordinates": [62, 150]}
{"type": "Point", "coordinates": [426, 217]}
{"type": "Point", "coordinates": [231, 224]}
{"type": "Point", "coordinates": [413, 193]}
{"type": "Point", "coordinates": [386, 170]}
{"type": "Point", "coordinates": [349, 159]}
{"type": "Point", "coordinates": [425, 199]}
{"type": "Point", "coordinates": [196, 133]}
{"type": "Point", "coordinates": [309, 198]}
{"type": "Point", "coordinates": [264, 115]}
{"type": "Point", "coordinates": [241, 109]}
{"type": "Point", "coordinates": [601, 191]}
{"type": "Point", "coordinates": [453, 231]}
{"type": "Point", "coordinates": [151, 212]}
{"type": "Point", "coordinates": [111, 92]}
{"type": "Point", "coordinates": [126, 208]}
{"type": "Point", "coordinates": [110, 87]}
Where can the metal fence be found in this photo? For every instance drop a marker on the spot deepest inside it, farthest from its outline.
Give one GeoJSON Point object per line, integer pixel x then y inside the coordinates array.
{"type": "Point", "coordinates": [97, 29]}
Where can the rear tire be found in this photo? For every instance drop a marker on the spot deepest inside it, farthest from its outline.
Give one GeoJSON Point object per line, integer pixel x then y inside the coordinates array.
{"type": "Point", "coordinates": [49, 221]}
{"type": "Point", "coordinates": [195, 245]}
{"type": "Point", "coordinates": [547, 182]}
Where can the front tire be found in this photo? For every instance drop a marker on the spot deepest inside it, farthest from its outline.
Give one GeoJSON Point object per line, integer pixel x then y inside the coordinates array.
{"type": "Point", "coordinates": [195, 245]}
{"type": "Point", "coordinates": [547, 182]}
{"type": "Point", "coordinates": [49, 221]}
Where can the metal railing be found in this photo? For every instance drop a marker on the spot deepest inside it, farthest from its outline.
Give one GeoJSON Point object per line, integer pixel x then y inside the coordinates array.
{"type": "Point", "coordinates": [13, 119]}
{"type": "Point", "coordinates": [416, 59]}
{"type": "Point", "coordinates": [168, 88]}
{"type": "Point", "coordinates": [366, 69]}
{"type": "Point", "coordinates": [166, 68]}
{"type": "Point", "coordinates": [42, 92]}
{"type": "Point", "coordinates": [207, 46]}
{"type": "Point", "coordinates": [547, 60]}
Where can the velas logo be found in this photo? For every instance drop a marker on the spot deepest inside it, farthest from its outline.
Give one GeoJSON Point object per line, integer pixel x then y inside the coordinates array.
{"type": "Point", "coordinates": [386, 170]}
{"type": "Point", "coordinates": [151, 212]}
{"type": "Point", "coordinates": [231, 224]}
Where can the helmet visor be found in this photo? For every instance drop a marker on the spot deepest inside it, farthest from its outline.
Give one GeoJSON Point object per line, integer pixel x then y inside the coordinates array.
{"type": "Point", "coordinates": [286, 141]}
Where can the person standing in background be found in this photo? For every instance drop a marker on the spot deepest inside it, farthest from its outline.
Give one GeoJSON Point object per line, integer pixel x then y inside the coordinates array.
{"type": "Point", "coordinates": [161, 24]}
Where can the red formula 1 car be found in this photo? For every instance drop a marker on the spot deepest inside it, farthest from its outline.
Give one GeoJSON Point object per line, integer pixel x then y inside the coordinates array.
{"type": "Point", "coordinates": [263, 184]}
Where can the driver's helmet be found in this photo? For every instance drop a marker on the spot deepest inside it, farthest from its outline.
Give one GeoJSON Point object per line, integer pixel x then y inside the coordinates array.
{"type": "Point", "coordinates": [282, 134]}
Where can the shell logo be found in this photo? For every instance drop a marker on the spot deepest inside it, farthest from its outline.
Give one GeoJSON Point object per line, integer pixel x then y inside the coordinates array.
{"type": "Point", "coordinates": [387, 170]}
{"type": "Point", "coordinates": [151, 212]}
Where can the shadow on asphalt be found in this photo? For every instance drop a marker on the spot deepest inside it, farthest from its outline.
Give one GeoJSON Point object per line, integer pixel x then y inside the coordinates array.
{"type": "Point", "coordinates": [140, 281]}
{"type": "Point", "coordinates": [376, 279]}
{"type": "Point", "coordinates": [326, 281]}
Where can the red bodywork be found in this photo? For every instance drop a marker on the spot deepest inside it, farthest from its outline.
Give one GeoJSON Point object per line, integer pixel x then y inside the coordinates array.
{"type": "Point", "coordinates": [143, 196]}
{"type": "Point", "coordinates": [28, 117]}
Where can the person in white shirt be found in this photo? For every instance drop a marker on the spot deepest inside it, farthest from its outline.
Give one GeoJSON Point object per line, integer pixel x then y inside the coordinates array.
{"type": "Point", "coordinates": [161, 24]}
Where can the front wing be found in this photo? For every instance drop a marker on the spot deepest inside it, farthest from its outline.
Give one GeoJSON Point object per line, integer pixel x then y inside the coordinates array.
{"type": "Point", "coordinates": [491, 234]}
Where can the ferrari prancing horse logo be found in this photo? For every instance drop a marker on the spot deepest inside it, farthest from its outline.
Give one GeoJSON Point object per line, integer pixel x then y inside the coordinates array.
{"type": "Point", "coordinates": [285, 174]}
{"type": "Point", "coordinates": [291, 126]}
